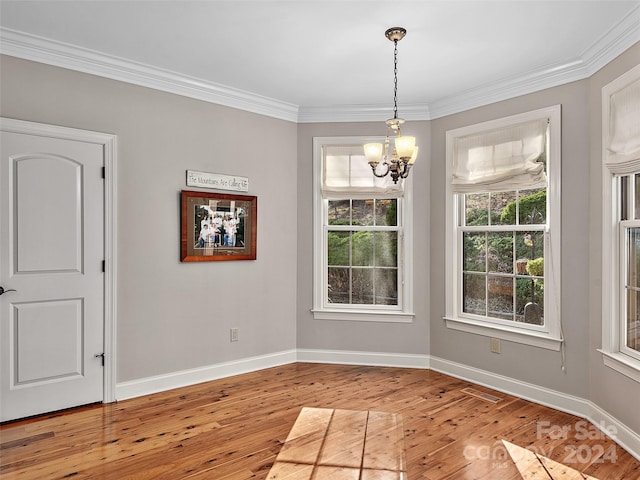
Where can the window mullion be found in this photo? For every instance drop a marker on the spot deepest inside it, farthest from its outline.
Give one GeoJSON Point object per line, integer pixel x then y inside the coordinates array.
{"type": "Point", "coordinates": [514, 269]}
{"type": "Point", "coordinates": [506, 228]}
{"type": "Point", "coordinates": [486, 271]}
{"type": "Point", "coordinates": [489, 211]}
{"type": "Point", "coordinates": [632, 197]}
{"type": "Point", "coordinates": [374, 259]}
{"type": "Point", "coordinates": [620, 339]}
{"type": "Point", "coordinates": [350, 267]}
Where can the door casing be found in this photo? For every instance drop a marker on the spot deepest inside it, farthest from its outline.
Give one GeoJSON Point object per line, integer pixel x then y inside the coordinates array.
{"type": "Point", "coordinates": [109, 145]}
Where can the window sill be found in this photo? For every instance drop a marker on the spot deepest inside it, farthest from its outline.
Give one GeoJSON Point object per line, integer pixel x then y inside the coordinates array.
{"type": "Point", "coordinates": [622, 364]}
{"type": "Point", "coordinates": [527, 337]}
{"type": "Point", "coordinates": [363, 316]}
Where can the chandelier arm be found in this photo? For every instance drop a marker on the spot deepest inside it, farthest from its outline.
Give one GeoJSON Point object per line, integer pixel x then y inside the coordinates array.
{"type": "Point", "coordinates": [380, 175]}
{"type": "Point", "coordinates": [405, 171]}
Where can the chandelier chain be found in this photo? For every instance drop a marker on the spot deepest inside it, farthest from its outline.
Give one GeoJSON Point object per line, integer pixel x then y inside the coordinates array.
{"type": "Point", "coordinates": [395, 161]}
{"type": "Point", "coordinates": [395, 79]}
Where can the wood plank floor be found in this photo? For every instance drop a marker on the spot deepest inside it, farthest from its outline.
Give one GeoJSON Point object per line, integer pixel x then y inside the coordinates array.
{"type": "Point", "coordinates": [233, 429]}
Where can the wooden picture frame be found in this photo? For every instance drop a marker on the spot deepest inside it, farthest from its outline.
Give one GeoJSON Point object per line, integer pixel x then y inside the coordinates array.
{"type": "Point", "coordinates": [231, 222]}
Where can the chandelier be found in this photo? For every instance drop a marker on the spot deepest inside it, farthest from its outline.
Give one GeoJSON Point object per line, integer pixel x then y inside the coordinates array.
{"type": "Point", "coordinates": [399, 161]}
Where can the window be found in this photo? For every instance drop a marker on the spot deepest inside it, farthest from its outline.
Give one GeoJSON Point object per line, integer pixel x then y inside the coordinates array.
{"type": "Point", "coordinates": [362, 241]}
{"type": "Point", "coordinates": [503, 235]}
{"type": "Point", "coordinates": [621, 224]}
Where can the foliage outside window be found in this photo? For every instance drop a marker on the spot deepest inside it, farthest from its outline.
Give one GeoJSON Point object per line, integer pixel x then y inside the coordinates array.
{"type": "Point", "coordinates": [360, 247]}
{"type": "Point", "coordinates": [503, 255]}
{"type": "Point", "coordinates": [362, 251]}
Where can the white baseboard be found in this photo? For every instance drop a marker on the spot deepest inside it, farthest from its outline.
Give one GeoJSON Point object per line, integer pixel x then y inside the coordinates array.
{"type": "Point", "coordinates": [345, 357]}
{"type": "Point", "coordinates": [618, 431]}
{"type": "Point", "coordinates": [623, 435]}
{"type": "Point", "coordinates": [527, 391]}
{"type": "Point", "coordinates": [160, 383]}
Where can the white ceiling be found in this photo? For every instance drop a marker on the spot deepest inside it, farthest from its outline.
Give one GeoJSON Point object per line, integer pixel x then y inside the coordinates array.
{"type": "Point", "coordinates": [310, 60]}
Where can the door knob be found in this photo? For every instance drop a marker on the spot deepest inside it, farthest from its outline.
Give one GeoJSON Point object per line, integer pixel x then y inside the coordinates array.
{"type": "Point", "coordinates": [2, 290]}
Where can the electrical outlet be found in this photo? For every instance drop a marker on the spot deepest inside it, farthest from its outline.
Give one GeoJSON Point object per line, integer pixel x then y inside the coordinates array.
{"type": "Point", "coordinates": [494, 345]}
{"type": "Point", "coordinates": [233, 333]}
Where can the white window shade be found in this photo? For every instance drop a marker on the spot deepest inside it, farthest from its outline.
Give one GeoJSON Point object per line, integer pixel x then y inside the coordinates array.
{"type": "Point", "coordinates": [348, 175]}
{"type": "Point", "coordinates": [500, 159]}
{"type": "Point", "coordinates": [622, 154]}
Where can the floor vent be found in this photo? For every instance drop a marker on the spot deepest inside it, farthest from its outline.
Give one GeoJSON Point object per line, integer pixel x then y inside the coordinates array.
{"type": "Point", "coordinates": [481, 395]}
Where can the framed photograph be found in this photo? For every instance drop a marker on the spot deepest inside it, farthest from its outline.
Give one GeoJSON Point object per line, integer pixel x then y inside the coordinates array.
{"type": "Point", "coordinates": [218, 227]}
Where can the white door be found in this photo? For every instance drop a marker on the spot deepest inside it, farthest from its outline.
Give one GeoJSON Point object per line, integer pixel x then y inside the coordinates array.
{"type": "Point", "coordinates": [51, 255]}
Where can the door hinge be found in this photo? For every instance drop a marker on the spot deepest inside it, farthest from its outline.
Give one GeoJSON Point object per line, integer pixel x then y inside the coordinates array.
{"type": "Point", "coordinates": [101, 356]}
{"type": "Point", "coordinates": [104, 266]}
{"type": "Point", "coordinates": [104, 172]}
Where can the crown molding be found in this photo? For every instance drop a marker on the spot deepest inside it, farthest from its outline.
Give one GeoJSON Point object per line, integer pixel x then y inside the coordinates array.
{"type": "Point", "coordinates": [30, 47]}
{"type": "Point", "coordinates": [360, 113]}
{"type": "Point", "coordinates": [613, 43]}
{"type": "Point", "coordinates": [59, 54]}
{"type": "Point", "coordinates": [509, 88]}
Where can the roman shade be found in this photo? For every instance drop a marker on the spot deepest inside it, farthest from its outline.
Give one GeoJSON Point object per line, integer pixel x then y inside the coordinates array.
{"type": "Point", "coordinates": [346, 174]}
{"type": "Point", "coordinates": [501, 159]}
{"type": "Point", "coordinates": [622, 152]}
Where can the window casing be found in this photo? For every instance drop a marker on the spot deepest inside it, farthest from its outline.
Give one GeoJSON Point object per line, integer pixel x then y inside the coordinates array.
{"type": "Point", "coordinates": [362, 237]}
{"type": "Point", "coordinates": [621, 224]}
{"type": "Point", "coordinates": [503, 241]}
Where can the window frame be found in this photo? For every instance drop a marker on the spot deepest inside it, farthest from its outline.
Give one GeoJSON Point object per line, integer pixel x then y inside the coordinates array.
{"type": "Point", "coordinates": [322, 310]}
{"type": "Point", "coordinates": [489, 229]}
{"type": "Point", "coordinates": [614, 258]}
{"type": "Point", "coordinates": [548, 336]}
{"type": "Point", "coordinates": [625, 263]}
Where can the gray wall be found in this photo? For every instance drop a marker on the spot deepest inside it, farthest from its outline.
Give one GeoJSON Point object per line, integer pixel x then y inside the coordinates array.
{"type": "Point", "coordinates": [360, 336]}
{"type": "Point", "coordinates": [173, 316]}
{"type": "Point", "coordinates": [612, 391]}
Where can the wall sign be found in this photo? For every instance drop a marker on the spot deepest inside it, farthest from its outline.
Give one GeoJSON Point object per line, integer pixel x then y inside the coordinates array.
{"type": "Point", "coordinates": [215, 180]}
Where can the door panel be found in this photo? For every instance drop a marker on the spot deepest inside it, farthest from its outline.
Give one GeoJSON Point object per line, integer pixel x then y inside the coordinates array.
{"type": "Point", "coordinates": [48, 233]}
{"type": "Point", "coordinates": [51, 252]}
{"type": "Point", "coordinates": [35, 357]}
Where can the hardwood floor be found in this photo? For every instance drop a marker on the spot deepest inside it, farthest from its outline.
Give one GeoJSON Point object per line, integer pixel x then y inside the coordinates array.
{"type": "Point", "coordinates": [233, 429]}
